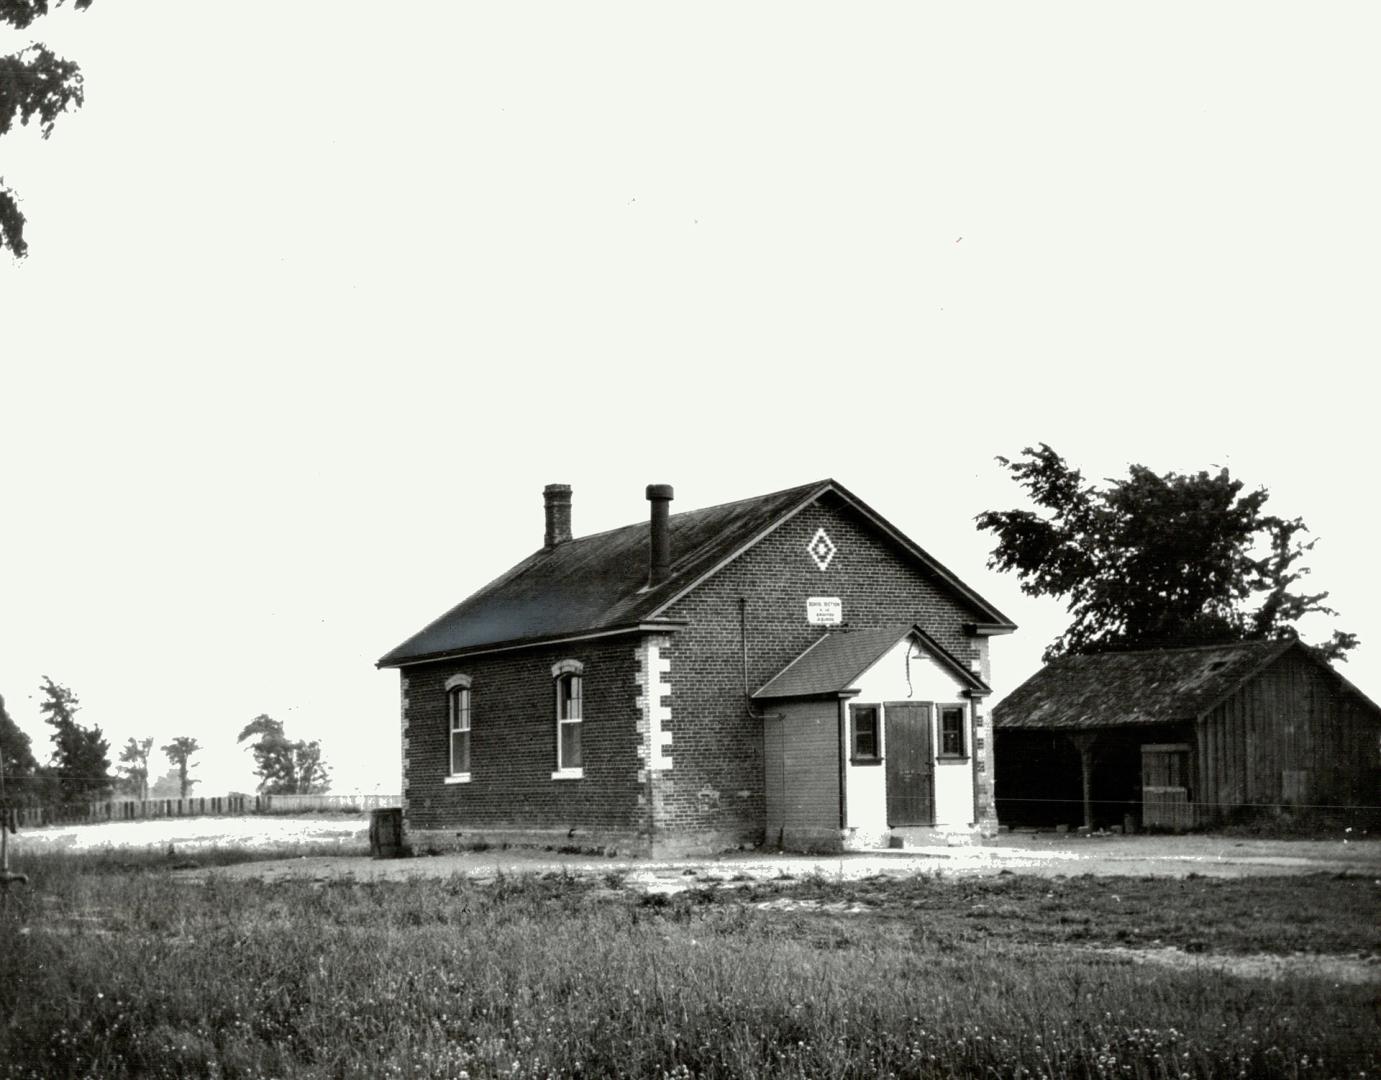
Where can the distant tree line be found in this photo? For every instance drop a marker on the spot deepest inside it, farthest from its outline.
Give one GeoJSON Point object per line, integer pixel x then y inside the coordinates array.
{"type": "Point", "coordinates": [79, 768]}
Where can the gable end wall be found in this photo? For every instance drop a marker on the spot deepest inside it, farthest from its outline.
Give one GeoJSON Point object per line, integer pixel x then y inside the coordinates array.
{"type": "Point", "coordinates": [1290, 736]}
{"type": "Point", "coordinates": [716, 789]}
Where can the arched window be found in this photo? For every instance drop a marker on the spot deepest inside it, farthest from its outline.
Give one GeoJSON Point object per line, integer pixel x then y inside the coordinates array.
{"type": "Point", "coordinates": [458, 724]}
{"type": "Point", "coordinates": [570, 712]}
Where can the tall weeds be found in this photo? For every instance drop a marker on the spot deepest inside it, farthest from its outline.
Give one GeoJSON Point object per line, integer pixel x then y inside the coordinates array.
{"type": "Point", "coordinates": [135, 975]}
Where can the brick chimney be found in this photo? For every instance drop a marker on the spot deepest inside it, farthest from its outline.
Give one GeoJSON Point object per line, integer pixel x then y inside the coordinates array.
{"type": "Point", "coordinates": [659, 545]}
{"type": "Point", "coordinates": [558, 498]}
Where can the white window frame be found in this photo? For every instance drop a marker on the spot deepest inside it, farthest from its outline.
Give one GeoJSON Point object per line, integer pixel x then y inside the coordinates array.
{"type": "Point", "coordinates": [562, 672]}
{"type": "Point", "coordinates": [965, 734]}
{"type": "Point", "coordinates": [458, 693]}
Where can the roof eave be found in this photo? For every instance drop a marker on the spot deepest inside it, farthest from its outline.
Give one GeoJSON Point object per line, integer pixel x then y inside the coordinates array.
{"type": "Point", "coordinates": [988, 629]}
{"type": "Point", "coordinates": [813, 695]}
{"type": "Point", "coordinates": [643, 626]}
{"type": "Point", "coordinates": [973, 683]}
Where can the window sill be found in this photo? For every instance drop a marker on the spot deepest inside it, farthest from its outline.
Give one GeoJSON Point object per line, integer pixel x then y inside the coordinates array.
{"type": "Point", "coordinates": [458, 778]}
{"type": "Point", "coordinates": [568, 774]}
{"type": "Point", "coordinates": [865, 761]}
{"type": "Point", "coordinates": [952, 759]}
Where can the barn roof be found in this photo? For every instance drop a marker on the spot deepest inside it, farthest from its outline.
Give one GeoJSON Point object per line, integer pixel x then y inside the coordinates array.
{"type": "Point", "coordinates": [598, 584]}
{"type": "Point", "coordinates": [834, 662]}
{"type": "Point", "coordinates": [1157, 686]}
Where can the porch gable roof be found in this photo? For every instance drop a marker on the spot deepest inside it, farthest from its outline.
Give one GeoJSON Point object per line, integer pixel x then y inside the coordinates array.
{"type": "Point", "coordinates": [833, 663]}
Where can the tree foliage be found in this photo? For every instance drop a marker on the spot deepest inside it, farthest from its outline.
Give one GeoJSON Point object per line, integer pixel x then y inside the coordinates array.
{"type": "Point", "coordinates": [16, 751]}
{"type": "Point", "coordinates": [34, 84]}
{"type": "Point", "coordinates": [285, 766]}
{"type": "Point", "coordinates": [80, 762]}
{"type": "Point", "coordinates": [1155, 561]}
{"type": "Point", "coordinates": [134, 767]}
{"type": "Point", "coordinates": [17, 765]}
{"type": "Point", "coordinates": [167, 786]}
{"type": "Point", "coordinates": [180, 752]}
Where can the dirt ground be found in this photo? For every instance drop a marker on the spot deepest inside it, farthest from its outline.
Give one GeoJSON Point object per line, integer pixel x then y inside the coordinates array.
{"type": "Point", "coordinates": [1046, 854]}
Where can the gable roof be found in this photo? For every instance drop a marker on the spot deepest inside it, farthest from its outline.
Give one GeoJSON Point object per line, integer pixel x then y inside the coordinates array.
{"type": "Point", "coordinates": [833, 663]}
{"type": "Point", "coordinates": [1156, 686]}
{"type": "Point", "coordinates": [598, 584]}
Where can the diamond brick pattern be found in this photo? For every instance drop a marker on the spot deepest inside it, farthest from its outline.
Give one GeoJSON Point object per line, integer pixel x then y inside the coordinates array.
{"type": "Point", "coordinates": [821, 549]}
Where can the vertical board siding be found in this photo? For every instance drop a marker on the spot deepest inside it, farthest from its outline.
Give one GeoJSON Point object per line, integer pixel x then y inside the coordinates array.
{"type": "Point", "coordinates": [810, 760]}
{"type": "Point", "coordinates": [1290, 736]}
{"type": "Point", "coordinates": [801, 771]}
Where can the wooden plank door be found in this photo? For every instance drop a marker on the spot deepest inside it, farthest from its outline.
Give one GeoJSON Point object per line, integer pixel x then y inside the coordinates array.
{"type": "Point", "coordinates": [910, 764]}
{"type": "Point", "coordinates": [1165, 801]}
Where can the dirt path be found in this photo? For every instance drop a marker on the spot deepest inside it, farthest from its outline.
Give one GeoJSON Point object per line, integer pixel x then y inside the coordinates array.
{"type": "Point", "coordinates": [1041, 854]}
{"type": "Point", "coordinates": [322, 837]}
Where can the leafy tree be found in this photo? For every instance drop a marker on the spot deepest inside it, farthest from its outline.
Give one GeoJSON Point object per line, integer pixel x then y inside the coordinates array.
{"type": "Point", "coordinates": [285, 766]}
{"type": "Point", "coordinates": [80, 762]}
{"type": "Point", "coordinates": [180, 752]}
{"type": "Point", "coordinates": [33, 83]}
{"type": "Point", "coordinates": [134, 766]}
{"type": "Point", "coordinates": [167, 786]}
{"type": "Point", "coordinates": [1155, 561]}
{"type": "Point", "coordinates": [17, 764]}
{"type": "Point", "coordinates": [312, 773]}
{"type": "Point", "coordinates": [16, 751]}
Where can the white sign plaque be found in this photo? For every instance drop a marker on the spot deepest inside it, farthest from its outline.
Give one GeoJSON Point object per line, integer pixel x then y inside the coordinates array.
{"type": "Point", "coordinates": [824, 611]}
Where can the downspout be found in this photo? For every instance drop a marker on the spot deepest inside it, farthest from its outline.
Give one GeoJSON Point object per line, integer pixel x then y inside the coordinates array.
{"type": "Point", "coordinates": [743, 643]}
{"type": "Point", "coordinates": [753, 714]}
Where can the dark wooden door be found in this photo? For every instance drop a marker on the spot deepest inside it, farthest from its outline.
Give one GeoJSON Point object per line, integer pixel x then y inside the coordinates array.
{"type": "Point", "coordinates": [910, 764]}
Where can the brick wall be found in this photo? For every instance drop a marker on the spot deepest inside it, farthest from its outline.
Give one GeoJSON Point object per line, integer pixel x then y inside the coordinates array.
{"type": "Point", "coordinates": [717, 782]}
{"type": "Point", "coordinates": [513, 746]}
{"type": "Point", "coordinates": [706, 779]}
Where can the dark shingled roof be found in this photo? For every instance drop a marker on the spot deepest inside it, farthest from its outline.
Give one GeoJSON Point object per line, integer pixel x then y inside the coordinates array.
{"type": "Point", "coordinates": [833, 663]}
{"type": "Point", "coordinates": [599, 583]}
{"type": "Point", "coordinates": [1159, 686]}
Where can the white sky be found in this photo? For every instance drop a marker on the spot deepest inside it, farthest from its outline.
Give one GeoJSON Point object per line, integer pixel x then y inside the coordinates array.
{"type": "Point", "coordinates": [321, 294]}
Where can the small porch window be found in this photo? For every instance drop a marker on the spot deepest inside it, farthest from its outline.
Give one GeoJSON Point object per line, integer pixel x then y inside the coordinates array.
{"type": "Point", "coordinates": [863, 739]}
{"type": "Point", "coordinates": [953, 743]}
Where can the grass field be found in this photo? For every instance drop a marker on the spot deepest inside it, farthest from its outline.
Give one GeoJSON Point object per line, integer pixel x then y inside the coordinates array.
{"type": "Point", "coordinates": [114, 968]}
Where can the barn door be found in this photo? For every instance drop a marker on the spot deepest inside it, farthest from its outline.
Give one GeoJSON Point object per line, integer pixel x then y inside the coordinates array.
{"type": "Point", "coordinates": [910, 764]}
{"type": "Point", "coordinates": [1165, 797]}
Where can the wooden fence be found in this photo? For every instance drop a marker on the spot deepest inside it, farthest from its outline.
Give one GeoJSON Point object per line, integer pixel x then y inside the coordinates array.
{"type": "Point", "coordinates": [29, 817]}
{"type": "Point", "coordinates": [307, 804]}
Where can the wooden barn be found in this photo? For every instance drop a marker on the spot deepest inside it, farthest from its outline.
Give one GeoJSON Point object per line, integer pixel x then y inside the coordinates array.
{"type": "Point", "coordinates": [1176, 738]}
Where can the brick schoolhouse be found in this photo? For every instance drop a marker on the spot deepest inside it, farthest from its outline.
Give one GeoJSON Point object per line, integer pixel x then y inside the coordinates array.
{"type": "Point", "coordinates": [788, 669]}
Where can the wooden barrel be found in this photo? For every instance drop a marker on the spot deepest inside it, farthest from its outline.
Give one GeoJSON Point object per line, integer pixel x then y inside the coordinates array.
{"type": "Point", "coordinates": [386, 833]}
